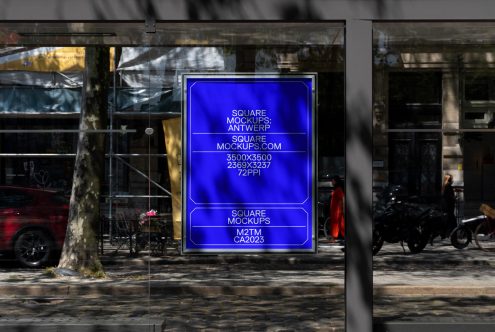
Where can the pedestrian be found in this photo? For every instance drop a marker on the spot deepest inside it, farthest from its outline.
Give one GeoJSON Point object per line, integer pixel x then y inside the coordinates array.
{"type": "Point", "coordinates": [448, 202]}
{"type": "Point", "coordinates": [337, 210]}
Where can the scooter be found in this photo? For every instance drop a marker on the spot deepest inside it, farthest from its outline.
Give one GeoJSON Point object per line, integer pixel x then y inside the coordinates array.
{"type": "Point", "coordinates": [462, 235]}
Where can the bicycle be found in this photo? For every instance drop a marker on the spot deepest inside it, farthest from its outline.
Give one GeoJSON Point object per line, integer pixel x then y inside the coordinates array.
{"type": "Point", "coordinates": [323, 220]}
{"type": "Point", "coordinates": [463, 234]}
{"type": "Point", "coordinates": [484, 235]}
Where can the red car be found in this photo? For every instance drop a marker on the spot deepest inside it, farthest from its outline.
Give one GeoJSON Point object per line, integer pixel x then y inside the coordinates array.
{"type": "Point", "coordinates": [32, 223]}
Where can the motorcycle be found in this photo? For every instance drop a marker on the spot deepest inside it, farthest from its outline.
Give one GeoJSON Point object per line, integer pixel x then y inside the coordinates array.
{"type": "Point", "coordinates": [399, 220]}
{"type": "Point", "coordinates": [462, 235]}
{"type": "Point", "coordinates": [435, 224]}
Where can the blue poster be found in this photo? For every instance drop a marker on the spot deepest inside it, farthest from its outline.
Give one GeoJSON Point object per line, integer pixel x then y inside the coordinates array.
{"type": "Point", "coordinates": [248, 163]}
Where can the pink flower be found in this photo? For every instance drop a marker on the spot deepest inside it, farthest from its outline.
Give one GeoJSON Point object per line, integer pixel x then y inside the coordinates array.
{"type": "Point", "coordinates": [151, 213]}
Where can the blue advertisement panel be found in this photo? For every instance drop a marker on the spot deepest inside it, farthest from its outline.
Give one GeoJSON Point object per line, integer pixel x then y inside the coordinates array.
{"type": "Point", "coordinates": [248, 163]}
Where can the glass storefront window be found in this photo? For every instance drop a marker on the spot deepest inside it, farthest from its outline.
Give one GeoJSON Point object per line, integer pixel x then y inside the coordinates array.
{"type": "Point", "coordinates": [42, 81]}
{"type": "Point", "coordinates": [432, 163]}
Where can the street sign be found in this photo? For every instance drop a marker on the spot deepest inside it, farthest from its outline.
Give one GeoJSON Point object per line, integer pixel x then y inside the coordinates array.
{"type": "Point", "coordinates": [248, 163]}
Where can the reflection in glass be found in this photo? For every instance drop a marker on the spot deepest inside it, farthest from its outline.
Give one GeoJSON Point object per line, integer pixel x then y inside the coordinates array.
{"type": "Point", "coordinates": [433, 96]}
{"type": "Point", "coordinates": [41, 88]}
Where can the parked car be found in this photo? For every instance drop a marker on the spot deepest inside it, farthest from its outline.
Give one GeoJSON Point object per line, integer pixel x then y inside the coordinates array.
{"type": "Point", "coordinates": [32, 224]}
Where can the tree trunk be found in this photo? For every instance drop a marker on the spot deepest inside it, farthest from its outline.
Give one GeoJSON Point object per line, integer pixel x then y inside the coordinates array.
{"type": "Point", "coordinates": [80, 250]}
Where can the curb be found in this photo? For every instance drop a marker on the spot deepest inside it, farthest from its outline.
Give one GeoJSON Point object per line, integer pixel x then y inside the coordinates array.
{"type": "Point", "coordinates": [157, 289]}
{"type": "Point", "coordinates": [143, 289]}
{"type": "Point", "coordinates": [438, 262]}
{"type": "Point", "coordinates": [220, 259]}
{"type": "Point", "coordinates": [289, 260]}
{"type": "Point", "coordinates": [432, 291]}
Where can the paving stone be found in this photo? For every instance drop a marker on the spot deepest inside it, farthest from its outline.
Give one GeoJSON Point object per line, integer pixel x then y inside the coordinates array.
{"type": "Point", "coordinates": [261, 293]}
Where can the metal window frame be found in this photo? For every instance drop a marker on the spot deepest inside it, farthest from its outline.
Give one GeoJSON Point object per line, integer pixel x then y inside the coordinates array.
{"type": "Point", "coordinates": [358, 16]}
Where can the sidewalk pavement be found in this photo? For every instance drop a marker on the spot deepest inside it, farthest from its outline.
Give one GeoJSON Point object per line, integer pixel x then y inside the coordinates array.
{"type": "Point", "coordinates": [260, 292]}
{"type": "Point", "coordinates": [439, 270]}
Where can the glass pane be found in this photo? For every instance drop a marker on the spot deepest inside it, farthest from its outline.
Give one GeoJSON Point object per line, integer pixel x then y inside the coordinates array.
{"type": "Point", "coordinates": [69, 210]}
{"type": "Point", "coordinates": [432, 168]}
{"type": "Point", "coordinates": [43, 102]}
{"type": "Point", "coordinates": [246, 49]}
